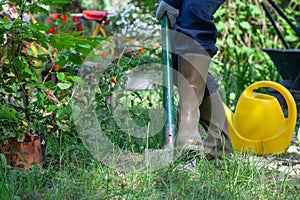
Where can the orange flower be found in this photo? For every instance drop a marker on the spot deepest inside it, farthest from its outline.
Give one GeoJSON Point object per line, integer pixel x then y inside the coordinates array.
{"type": "Point", "coordinates": [83, 60]}
{"type": "Point", "coordinates": [104, 55]}
{"type": "Point", "coordinates": [54, 16]}
{"type": "Point", "coordinates": [117, 57]}
{"type": "Point", "coordinates": [64, 17]}
{"type": "Point", "coordinates": [31, 62]}
{"type": "Point", "coordinates": [113, 80]}
{"type": "Point", "coordinates": [142, 50]}
{"type": "Point", "coordinates": [56, 67]}
{"type": "Point", "coordinates": [54, 51]}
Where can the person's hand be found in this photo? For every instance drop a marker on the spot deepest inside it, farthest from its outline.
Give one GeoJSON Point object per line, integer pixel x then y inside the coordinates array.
{"type": "Point", "coordinates": [165, 9]}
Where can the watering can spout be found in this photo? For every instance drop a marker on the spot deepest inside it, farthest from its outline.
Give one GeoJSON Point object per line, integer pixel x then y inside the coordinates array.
{"type": "Point", "coordinates": [258, 124]}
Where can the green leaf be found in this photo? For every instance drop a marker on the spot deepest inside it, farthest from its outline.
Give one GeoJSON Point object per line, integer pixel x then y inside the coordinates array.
{"type": "Point", "coordinates": [28, 70]}
{"type": "Point", "coordinates": [52, 108]}
{"type": "Point", "coordinates": [75, 58]}
{"type": "Point", "coordinates": [3, 160]}
{"type": "Point", "coordinates": [35, 8]}
{"type": "Point", "coordinates": [41, 97]}
{"type": "Point", "coordinates": [60, 76]}
{"type": "Point", "coordinates": [9, 114]}
{"type": "Point", "coordinates": [63, 112]}
{"type": "Point", "coordinates": [63, 61]}
{"type": "Point", "coordinates": [245, 25]}
{"type": "Point", "coordinates": [8, 26]}
{"type": "Point", "coordinates": [38, 27]}
{"type": "Point", "coordinates": [64, 86]}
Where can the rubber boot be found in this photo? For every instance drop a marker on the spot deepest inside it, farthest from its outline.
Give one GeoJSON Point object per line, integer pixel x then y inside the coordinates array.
{"type": "Point", "coordinates": [193, 70]}
{"type": "Point", "coordinates": [217, 142]}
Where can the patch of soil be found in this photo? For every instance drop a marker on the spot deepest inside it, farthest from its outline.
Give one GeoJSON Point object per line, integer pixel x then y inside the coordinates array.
{"type": "Point", "coordinates": [288, 163]}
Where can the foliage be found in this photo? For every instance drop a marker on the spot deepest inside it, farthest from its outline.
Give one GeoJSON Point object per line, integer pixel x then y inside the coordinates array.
{"type": "Point", "coordinates": [147, 5]}
{"type": "Point", "coordinates": [135, 105]}
{"type": "Point", "coordinates": [29, 103]}
{"type": "Point", "coordinates": [243, 31]}
{"type": "Point", "coordinates": [91, 5]}
{"type": "Point", "coordinates": [135, 36]}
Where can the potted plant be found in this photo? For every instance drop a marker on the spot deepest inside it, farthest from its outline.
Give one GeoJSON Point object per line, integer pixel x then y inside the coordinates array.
{"type": "Point", "coordinates": [31, 106]}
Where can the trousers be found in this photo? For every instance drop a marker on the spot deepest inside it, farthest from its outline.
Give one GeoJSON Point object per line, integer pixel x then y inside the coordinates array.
{"type": "Point", "coordinates": [196, 22]}
{"type": "Point", "coordinates": [193, 40]}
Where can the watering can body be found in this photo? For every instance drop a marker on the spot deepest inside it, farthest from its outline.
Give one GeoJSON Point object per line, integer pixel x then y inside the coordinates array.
{"type": "Point", "coordinates": [258, 125]}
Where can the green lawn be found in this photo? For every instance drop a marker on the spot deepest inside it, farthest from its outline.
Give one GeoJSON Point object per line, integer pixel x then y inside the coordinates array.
{"type": "Point", "coordinates": [75, 174]}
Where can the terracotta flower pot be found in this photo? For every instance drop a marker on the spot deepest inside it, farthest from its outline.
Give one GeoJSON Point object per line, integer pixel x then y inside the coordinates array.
{"type": "Point", "coordinates": [23, 154]}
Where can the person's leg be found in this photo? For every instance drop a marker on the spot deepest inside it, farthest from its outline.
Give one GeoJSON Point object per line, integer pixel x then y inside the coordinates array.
{"type": "Point", "coordinates": [193, 40]}
{"type": "Point", "coordinates": [213, 120]}
{"type": "Point", "coordinates": [193, 69]}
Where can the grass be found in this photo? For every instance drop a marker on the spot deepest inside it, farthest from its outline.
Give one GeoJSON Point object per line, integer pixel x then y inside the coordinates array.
{"type": "Point", "coordinates": [71, 172]}
{"type": "Point", "coordinates": [78, 175]}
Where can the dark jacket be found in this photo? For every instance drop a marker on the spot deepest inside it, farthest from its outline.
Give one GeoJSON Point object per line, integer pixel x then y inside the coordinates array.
{"type": "Point", "coordinates": [174, 3]}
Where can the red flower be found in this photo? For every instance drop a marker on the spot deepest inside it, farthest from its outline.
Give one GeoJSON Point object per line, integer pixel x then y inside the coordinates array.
{"type": "Point", "coordinates": [64, 17]}
{"type": "Point", "coordinates": [56, 67]}
{"type": "Point", "coordinates": [75, 19]}
{"type": "Point", "coordinates": [49, 20]}
{"type": "Point", "coordinates": [117, 57]}
{"type": "Point", "coordinates": [52, 30]}
{"type": "Point", "coordinates": [79, 27]}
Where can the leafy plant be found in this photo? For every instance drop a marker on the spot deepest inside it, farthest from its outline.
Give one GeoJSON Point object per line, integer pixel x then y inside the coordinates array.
{"type": "Point", "coordinates": [31, 105]}
{"type": "Point", "coordinates": [244, 30]}
{"type": "Point", "coordinates": [135, 104]}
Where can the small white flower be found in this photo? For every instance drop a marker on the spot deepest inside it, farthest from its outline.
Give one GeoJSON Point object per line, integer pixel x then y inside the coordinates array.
{"type": "Point", "coordinates": [143, 25]}
{"type": "Point", "coordinates": [118, 22]}
{"type": "Point", "coordinates": [134, 15]}
{"type": "Point", "coordinates": [132, 7]}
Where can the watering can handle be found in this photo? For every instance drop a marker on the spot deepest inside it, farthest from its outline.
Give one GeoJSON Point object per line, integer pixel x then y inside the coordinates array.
{"type": "Point", "coordinates": [289, 99]}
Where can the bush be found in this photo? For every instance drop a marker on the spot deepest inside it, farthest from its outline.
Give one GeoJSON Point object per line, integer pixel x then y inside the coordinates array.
{"type": "Point", "coordinates": [244, 30]}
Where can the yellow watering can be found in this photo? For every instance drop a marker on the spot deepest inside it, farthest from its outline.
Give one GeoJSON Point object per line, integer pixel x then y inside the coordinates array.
{"type": "Point", "coordinates": [258, 124]}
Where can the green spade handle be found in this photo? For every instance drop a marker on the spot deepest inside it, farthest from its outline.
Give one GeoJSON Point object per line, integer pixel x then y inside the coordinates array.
{"type": "Point", "coordinates": [168, 97]}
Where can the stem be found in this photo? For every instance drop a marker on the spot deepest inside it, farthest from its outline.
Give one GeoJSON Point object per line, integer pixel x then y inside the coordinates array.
{"type": "Point", "coordinates": [16, 53]}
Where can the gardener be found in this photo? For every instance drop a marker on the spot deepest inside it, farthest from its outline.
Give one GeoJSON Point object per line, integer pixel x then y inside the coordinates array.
{"type": "Point", "coordinates": [193, 46]}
